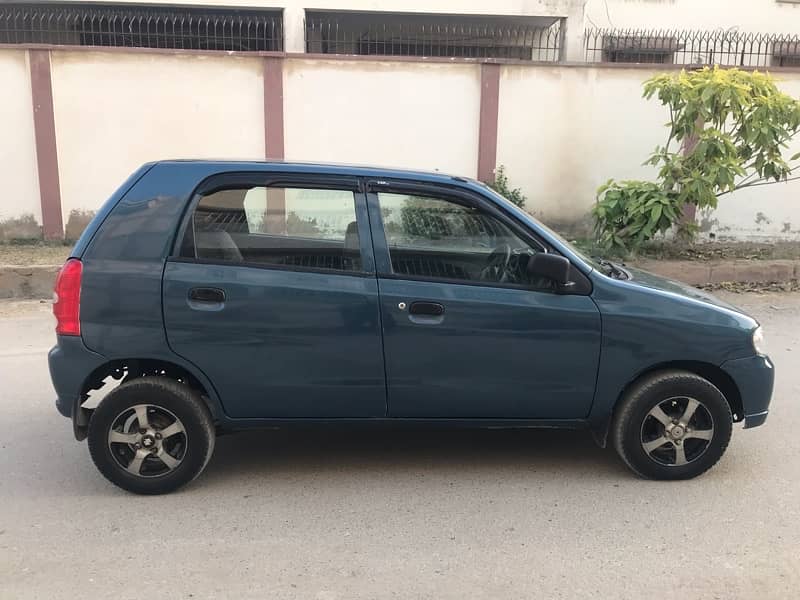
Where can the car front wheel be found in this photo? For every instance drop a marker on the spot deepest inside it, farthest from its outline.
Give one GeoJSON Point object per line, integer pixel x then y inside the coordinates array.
{"type": "Point", "coordinates": [672, 425]}
{"type": "Point", "coordinates": [151, 435]}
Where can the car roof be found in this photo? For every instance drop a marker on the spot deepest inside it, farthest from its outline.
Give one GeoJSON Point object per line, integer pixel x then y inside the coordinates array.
{"type": "Point", "coordinates": [329, 168]}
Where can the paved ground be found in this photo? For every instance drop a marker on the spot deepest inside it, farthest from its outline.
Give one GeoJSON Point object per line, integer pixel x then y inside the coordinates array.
{"type": "Point", "coordinates": [487, 514]}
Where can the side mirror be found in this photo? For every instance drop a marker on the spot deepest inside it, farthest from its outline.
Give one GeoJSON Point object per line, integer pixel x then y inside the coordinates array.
{"type": "Point", "coordinates": [550, 266]}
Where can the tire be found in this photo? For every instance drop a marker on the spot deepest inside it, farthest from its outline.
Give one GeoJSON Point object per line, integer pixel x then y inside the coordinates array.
{"type": "Point", "coordinates": [151, 462]}
{"type": "Point", "coordinates": [653, 436]}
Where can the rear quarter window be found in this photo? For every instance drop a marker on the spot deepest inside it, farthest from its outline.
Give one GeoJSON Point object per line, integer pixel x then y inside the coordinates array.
{"type": "Point", "coordinates": [278, 226]}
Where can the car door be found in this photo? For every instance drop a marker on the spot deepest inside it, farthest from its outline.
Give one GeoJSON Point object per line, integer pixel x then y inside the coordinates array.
{"type": "Point", "coordinates": [466, 332]}
{"type": "Point", "coordinates": [272, 294]}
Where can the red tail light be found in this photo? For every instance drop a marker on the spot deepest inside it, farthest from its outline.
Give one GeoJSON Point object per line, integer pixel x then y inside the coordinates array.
{"type": "Point", "coordinates": [67, 306]}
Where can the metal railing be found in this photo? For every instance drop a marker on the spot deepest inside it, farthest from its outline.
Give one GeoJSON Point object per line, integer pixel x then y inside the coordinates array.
{"type": "Point", "coordinates": [692, 47]}
{"type": "Point", "coordinates": [392, 37]}
{"type": "Point", "coordinates": [149, 26]}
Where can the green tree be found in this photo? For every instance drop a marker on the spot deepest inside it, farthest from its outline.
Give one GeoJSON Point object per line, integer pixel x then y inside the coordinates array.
{"type": "Point", "coordinates": [728, 130]}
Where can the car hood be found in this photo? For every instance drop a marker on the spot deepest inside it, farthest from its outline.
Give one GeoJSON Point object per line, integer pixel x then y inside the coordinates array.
{"type": "Point", "coordinates": [647, 279]}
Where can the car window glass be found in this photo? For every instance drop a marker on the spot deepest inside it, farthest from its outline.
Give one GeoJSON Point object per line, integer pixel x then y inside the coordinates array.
{"type": "Point", "coordinates": [298, 227]}
{"type": "Point", "coordinates": [438, 238]}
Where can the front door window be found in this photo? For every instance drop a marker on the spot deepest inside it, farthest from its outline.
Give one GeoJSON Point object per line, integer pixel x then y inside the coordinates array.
{"type": "Point", "coordinates": [436, 238]}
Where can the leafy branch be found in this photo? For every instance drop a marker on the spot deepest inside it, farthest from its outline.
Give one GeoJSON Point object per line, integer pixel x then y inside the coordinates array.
{"type": "Point", "coordinates": [734, 128]}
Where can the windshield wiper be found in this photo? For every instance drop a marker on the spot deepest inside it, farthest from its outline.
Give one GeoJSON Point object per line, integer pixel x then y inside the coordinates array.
{"type": "Point", "coordinates": [614, 270]}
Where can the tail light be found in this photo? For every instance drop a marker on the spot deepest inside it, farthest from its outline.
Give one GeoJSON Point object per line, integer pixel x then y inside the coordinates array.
{"type": "Point", "coordinates": [67, 305]}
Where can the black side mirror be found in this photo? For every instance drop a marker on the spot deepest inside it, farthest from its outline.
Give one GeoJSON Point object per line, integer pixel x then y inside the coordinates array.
{"type": "Point", "coordinates": [551, 266]}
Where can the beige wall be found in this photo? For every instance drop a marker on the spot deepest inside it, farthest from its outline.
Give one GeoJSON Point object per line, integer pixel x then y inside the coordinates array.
{"type": "Point", "coordinates": [402, 114]}
{"type": "Point", "coordinates": [115, 111]}
{"type": "Point", "coordinates": [563, 131]}
{"type": "Point", "coordinates": [18, 172]}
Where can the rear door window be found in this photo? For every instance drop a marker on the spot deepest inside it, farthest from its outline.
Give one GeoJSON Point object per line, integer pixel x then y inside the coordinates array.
{"type": "Point", "coordinates": [281, 226]}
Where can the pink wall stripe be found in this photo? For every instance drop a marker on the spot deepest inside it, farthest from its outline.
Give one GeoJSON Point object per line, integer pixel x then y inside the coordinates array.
{"type": "Point", "coordinates": [487, 130]}
{"type": "Point", "coordinates": [46, 153]}
{"type": "Point", "coordinates": [273, 108]}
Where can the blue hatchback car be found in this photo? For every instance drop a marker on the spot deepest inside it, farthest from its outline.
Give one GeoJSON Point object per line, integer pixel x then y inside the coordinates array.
{"type": "Point", "coordinates": [229, 295]}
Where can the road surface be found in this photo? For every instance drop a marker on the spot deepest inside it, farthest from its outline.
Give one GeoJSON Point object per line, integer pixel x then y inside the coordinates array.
{"type": "Point", "coordinates": [408, 514]}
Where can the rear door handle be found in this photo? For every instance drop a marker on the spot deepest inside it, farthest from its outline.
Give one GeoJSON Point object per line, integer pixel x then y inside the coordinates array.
{"type": "Point", "coordinates": [205, 298]}
{"type": "Point", "coordinates": [427, 309]}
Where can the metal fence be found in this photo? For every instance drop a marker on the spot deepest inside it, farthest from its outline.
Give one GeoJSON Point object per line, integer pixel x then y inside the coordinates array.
{"type": "Point", "coordinates": [150, 26]}
{"type": "Point", "coordinates": [326, 35]}
{"type": "Point", "coordinates": [691, 47]}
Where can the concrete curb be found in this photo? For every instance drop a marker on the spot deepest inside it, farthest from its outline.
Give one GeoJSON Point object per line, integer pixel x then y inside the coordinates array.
{"type": "Point", "coordinates": [37, 281]}
{"type": "Point", "coordinates": [723, 271]}
{"type": "Point", "coordinates": [27, 282]}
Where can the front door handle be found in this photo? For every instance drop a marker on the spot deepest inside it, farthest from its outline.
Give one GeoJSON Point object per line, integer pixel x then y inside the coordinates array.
{"type": "Point", "coordinates": [206, 298]}
{"type": "Point", "coordinates": [426, 309]}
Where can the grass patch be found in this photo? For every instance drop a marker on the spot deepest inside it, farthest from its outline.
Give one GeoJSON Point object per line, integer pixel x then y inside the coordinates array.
{"type": "Point", "coordinates": [25, 254]}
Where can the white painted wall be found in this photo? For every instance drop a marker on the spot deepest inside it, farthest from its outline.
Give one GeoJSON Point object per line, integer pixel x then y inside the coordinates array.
{"type": "Point", "coordinates": [767, 16]}
{"type": "Point", "coordinates": [18, 172]}
{"type": "Point", "coordinates": [391, 113]}
{"type": "Point", "coordinates": [563, 130]}
{"type": "Point", "coordinates": [115, 111]}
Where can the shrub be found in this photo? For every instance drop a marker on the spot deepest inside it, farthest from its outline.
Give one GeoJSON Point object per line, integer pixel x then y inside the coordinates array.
{"type": "Point", "coordinates": [501, 185]}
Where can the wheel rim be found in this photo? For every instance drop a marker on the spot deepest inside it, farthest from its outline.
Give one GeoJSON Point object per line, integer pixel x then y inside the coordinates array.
{"type": "Point", "coordinates": [147, 440]}
{"type": "Point", "coordinates": [677, 431]}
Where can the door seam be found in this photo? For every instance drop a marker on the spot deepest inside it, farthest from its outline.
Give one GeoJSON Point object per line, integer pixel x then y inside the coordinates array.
{"type": "Point", "coordinates": [380, 307]}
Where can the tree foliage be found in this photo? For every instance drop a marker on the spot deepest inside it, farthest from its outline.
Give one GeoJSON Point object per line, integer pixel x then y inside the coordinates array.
{"type": "Point", "coordinates": [728, 130]}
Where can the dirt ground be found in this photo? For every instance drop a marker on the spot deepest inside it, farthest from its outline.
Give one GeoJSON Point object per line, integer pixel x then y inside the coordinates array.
{"type": "Point", "coordinates": [33, 254]}
{"type": "Point", "coordinates": [723, 250]}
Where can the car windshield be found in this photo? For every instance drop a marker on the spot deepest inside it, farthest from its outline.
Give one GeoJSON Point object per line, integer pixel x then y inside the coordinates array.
{"type": "Point", "coordinates": [605, 266]}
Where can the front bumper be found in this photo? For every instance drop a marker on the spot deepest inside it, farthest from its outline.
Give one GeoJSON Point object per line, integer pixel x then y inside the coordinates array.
{"type": "Point", "coordinates": [755, 378]}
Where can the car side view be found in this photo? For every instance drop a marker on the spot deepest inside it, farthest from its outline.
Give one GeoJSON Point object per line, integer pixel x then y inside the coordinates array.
{"type": "Point", "coordinates": [221, 296]}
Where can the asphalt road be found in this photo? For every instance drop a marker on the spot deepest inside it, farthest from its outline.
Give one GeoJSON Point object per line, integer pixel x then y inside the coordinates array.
{"type": "Point", "coordinates": [406, 514]}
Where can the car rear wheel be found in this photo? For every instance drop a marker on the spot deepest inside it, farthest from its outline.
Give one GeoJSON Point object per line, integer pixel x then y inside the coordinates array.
{"type": "Point", "coordinates": [151, 435]}
{"type": "Point", "coordinates": [672, 425]}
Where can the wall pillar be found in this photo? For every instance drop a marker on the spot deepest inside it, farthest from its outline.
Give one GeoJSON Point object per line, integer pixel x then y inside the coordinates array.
{"type": "Point", "coordinates": [44, 126]}
{"type": "Point", "coordinates": [487, 129]}
{"type": "Point", "coordinates": [294, 29]}
{"type": "Point", "coordinates": [273, 108]}
{"type": "Point", "coordinates": [572, 29]}
{"type": "Point", "coordinates": [274, 148]}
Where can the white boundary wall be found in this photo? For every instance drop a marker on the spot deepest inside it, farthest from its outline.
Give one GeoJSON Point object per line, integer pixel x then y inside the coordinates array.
{"type": "Point", "coordinates": [562, 130]}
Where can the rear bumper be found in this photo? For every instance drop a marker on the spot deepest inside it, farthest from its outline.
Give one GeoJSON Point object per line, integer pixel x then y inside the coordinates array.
{"type": "Point", "coordinates": [70, 364]}
{"type": "Point", "coordinates": [755, 378]}
{"type": "Point", "coordinates": [65, 406]}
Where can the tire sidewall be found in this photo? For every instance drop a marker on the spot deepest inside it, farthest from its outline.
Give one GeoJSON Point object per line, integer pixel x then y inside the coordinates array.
{"type": "Point", "coordinates": [151, 393]}
{"type": "Point", "coordinates": [650, 396]}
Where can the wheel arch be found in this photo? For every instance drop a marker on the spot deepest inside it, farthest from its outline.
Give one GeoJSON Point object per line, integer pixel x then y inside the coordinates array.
{"type": "Point", "coordinates": [128, 369]}
{"type": "Point", "coordinates": [709, 371]}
